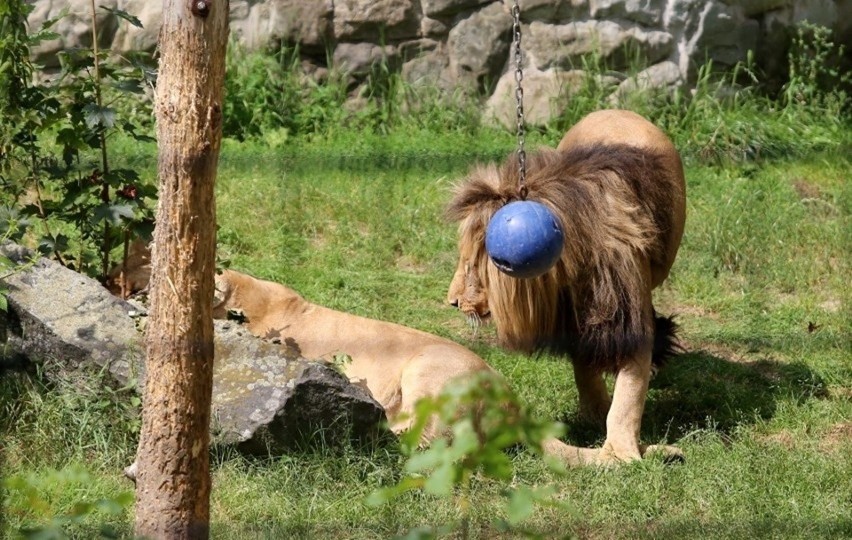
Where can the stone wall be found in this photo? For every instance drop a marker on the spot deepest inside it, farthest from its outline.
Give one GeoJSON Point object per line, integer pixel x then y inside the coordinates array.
{"type": "Point", "coordinates": [466, 43]}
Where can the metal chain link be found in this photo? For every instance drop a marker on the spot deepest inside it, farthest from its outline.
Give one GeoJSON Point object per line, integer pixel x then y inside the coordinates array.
{"type": "Point", "coordinates": [519, 98]}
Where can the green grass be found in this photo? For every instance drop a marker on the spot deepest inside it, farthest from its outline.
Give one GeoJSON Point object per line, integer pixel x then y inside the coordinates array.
{"type": "Point", "coordinates": [760, 403]}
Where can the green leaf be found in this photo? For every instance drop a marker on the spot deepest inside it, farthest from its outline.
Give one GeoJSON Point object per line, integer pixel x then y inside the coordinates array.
{"type": "Point", "coordinates": [99, 116]}
{"type": "Point", "coordinates": [121, 14]}
{"type": "Point", "coordinates": [383, 495]}
{"type": "Point", "coordinates": [81, 508]}
{"type": "Point", "coordinates": [427, 459]}
{"type": "Point", "coordinates": [52, 532]}
{"type": "Point", "coordinates": [129, 86]}
{"type": "Point", "coordinates": [51, 244]}
{"type": "Point", "coordinates": [521, 505]}
{"type": "Point", "coordinates": [125, 498]}
{"type": "Point", "coordinates": [113, 213]}
{"type": "Point", "coordinates": [4, 304]}
{"type": "Point", "coordinates": [421, 533]}
{"type": "Point", "coordinates": [117, 176]}
{"type": "Point", "coordinates": [441, 481]}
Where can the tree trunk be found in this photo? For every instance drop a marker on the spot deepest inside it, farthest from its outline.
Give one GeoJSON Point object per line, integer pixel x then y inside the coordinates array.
{"type": "Point", "coordinates": [173, 481]}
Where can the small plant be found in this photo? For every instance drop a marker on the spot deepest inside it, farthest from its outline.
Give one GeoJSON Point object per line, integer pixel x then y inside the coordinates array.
{"type": "Point", "coordinates": [54, 155]}
{"type": "Point", "coordinates": [481, 418]}
{"type": "Point", "coordinates": [268, 96]}
{"type": "Point", "coordinates": [12, 228]}
{"type": "Point", "coordinates": [814, 81]}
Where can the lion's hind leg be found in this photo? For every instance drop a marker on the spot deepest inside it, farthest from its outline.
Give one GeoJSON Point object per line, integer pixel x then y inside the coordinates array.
{"type": "Point", "coordinates": [593, 395]}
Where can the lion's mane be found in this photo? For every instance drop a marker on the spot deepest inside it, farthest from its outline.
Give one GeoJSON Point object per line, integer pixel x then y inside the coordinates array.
{"type": "Point", "coordinates": [615, 216]}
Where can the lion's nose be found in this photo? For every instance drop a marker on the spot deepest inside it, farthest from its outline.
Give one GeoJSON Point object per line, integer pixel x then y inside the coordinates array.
{"type": "Point", "coordinates": [454, 302]}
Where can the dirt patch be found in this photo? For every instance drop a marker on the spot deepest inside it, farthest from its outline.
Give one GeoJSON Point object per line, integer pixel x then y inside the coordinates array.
{"type": "Point", "coordinates": [666, 303]}
{"type": "Point", "coordinates": [805, 189]}
{"type": "Point", "coordinates": [841, 392]}
{"type": "Point", "coordinates": [409, 265]}
{"type": "Point", "coordinates": [838, 436]}
{"type": "Point", "coordinates": [683, 310]}
{"type": "Point", "coordinates": [784, 439]}
{"type": "Point", "coordinates": [719, 351]}
{"type": "Point", "coordinates": [831, 306]}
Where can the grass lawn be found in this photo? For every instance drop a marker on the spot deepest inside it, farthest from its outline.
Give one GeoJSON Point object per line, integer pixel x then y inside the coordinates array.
{"type": "Point", "coordinates": [761, 402]}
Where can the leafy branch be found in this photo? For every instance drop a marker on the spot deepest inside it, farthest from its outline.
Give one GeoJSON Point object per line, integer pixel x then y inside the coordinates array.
{"type": "Point", "coordinates": [54, 151]}
{"type": "Point", "coordinates": [480, 419]}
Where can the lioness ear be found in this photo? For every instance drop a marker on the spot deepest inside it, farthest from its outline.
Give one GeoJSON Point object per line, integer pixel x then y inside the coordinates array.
{"type": "Point", "coordinates": [220, 290]}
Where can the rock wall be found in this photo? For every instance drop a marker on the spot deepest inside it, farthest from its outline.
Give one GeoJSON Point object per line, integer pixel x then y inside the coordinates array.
{"type": "Point", "coordinates": [466, 43]}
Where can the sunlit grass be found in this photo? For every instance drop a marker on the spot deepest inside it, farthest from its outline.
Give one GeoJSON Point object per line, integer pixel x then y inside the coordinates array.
{"type": "Point", "coordinates": [760, 403]}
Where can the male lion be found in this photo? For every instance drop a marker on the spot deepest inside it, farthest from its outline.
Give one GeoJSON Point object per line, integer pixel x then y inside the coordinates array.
{"type": "Point", "coordinates": [616, 184]}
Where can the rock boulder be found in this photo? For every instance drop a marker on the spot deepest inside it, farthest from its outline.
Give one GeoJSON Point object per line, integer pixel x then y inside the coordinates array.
{"type": "Point", "coordinates": [265, 397]}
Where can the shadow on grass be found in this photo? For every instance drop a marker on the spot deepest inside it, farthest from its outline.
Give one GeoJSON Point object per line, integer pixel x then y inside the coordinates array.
{"type": "Point", "coordinates": [700, 390]}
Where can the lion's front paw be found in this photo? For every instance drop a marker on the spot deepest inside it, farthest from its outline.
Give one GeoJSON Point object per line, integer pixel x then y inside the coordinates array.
{"type": "Point", "coordinates": [670, 454]}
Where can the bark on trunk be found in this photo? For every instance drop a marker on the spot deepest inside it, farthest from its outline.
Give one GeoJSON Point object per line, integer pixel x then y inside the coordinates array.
{"type": "Point", "coordinates": [173, 483]}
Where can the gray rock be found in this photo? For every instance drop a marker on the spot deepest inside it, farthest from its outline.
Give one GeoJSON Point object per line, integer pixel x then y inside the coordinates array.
{"type": "Point", "coordinates": [646, 12]}
{"type": "Point", "coordinates": [132, 38]}
{"type": "Point", "coordinates": [564, 46]}
{"type": "Point", "coordinates": [375, 21]}
{"type": "Point", "coordinates": [265, 397]}
{"type": "Point", "coordinates": [358, 59]}
{"type": "Point", "coordinates": [478, 48]}
{"type": "Point", "coordinates": [555, 11]}
{"type": "Point", "coordinates": [430, 69]}
{"type": "Point", "coordinates": [74, 28]}
{"type": "Point", "coordinates": [444, 8]}
{"type": "Point", "coordinates": [665, 76]}
{"type": "Point", "coordinates": [725, 36]}
{"type": "Point", "coordinates": [433, 28]}
{"type": "Point", "coordinates": [308, 23]}
{"type": "Point", "coordinates": [546, 94]}
{"type": "Point", "coordinates": [68, 319]}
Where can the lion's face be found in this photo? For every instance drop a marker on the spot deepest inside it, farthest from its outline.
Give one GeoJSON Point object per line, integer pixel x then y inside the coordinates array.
{"type": "Point", "coordinates": [468, 288]}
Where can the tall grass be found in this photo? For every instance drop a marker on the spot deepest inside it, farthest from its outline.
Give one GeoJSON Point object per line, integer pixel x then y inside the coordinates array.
{"type": "Point", "coordinates": [721, 116]}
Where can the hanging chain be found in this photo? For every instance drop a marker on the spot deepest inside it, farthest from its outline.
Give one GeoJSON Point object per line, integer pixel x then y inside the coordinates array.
{"type": "Point", "coordinates": [519, 98]}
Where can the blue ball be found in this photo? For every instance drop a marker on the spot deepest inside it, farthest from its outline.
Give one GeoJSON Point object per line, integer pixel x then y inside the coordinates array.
{"type": "Point", "coordinates": [524, 239]}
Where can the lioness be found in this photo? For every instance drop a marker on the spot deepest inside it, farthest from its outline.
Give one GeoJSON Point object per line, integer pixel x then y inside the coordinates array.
{"type": "Point", "coordinates": [616, 184]}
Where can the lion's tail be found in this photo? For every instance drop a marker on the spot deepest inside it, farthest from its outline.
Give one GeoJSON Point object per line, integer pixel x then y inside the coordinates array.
{"type": "Point", "coordinates": [666, 343]}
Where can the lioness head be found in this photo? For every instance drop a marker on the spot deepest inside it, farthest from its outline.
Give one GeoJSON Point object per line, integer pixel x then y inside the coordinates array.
{"type": "Point", "coordinates": [221, 294]}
